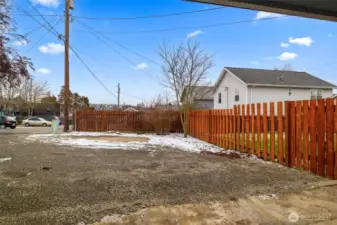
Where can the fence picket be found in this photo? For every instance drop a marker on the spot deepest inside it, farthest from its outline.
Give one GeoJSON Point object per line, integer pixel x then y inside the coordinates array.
{"type": "Point", "coordinates": [335, 130]}
{"type": "Point", "coordinates": [230, 129]}
{"type": "Point", "coordinates": [321, 137]}
{"type": "Point", "coordinates": [313, 136]}
{"type": "Point", "coordinates": [272, 131]}
{"type": "Point", "coordinates": [258, 130]}
{"type": "Point", "coordinates": [299, 134]}
{"type": "Point", "coordinates": [292, 134]}
{"type": "Point", "coordinates": [227, 130]}
{"type": "Point", "coordinates": [243, 128]}
{"type": "Point", "coordinates": [238, 136]}
{"type": "Point", "coordinates": [305, 134]}
{"type": "Point", "coordinates": [253, 128]}
{"type": "Point", "coordinates": [265, 132]}
{"type": "Point", "coordinates": [280, 136]}
{"type": "Point", "coordinates": [234, 129]}
{"type": "Point", "coordinates": [330, 155]}
{"type": "Point", "coordinates": [247, 129]}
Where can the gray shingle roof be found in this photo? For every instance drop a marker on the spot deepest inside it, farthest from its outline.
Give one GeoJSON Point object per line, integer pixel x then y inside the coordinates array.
{"type": "Point", "coordinates": [271, 77]}
{"type": "Point", "coordinates": [203, 92]}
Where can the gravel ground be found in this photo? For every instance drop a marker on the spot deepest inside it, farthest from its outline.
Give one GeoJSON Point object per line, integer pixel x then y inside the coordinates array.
{"type": "Point", "coordinates": [47, 184]}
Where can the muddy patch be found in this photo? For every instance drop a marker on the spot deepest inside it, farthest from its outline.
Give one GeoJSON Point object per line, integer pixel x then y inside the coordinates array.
{"type": "Point", "coordinates": [230, 155]}
{"type": "Point", "coordinates": [114, 139]}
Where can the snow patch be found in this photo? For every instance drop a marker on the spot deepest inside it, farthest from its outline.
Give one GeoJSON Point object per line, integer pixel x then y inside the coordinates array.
{"type": "Point", "coordinates": [176, 141]}
{"type": "Point", "coordinates": [5, 159]}
{"type": "Point", "coordinates": [172, 140]}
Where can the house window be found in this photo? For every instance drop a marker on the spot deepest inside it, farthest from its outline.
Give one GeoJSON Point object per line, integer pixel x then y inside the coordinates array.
{"type": "Point", "coordinates": [237, 95]}
{"type": "Point", "coordinates": [219, 98]}
{"type": "Point", "coordinates": [290, 91]}
{"type": "Point", "coordinates": [316, 94]}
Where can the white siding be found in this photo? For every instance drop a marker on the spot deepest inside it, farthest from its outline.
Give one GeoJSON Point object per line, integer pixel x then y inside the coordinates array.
{"type": "Point", "coordinates": [274, 94]}
{"type": "Point", "coordinates": [227, 87]}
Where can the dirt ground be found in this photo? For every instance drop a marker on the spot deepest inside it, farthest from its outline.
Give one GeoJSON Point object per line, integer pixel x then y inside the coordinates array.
{"type": "Point", "coordinates": [48, 184]}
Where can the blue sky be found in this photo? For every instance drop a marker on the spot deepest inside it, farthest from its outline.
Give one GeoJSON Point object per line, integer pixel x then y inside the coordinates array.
{"type": "Point", "coordinates": [307, 44]}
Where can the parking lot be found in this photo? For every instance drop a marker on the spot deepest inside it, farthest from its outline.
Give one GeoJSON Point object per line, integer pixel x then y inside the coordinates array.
{"type": "Point", "coordinates": [43, 183]}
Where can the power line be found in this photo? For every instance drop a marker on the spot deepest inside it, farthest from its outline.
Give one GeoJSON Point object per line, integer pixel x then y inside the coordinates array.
{"type": "Point", "coordinates": [43, 25]}
{"type": "Point", "coordinates": [91, 72]}
{"type": "Point", "coordinates": [119, 44]}
{"type": "Point", "coordinates": [36, 43]}
{"type": "Point", "coordinates": [51, 27]}
{"type": "Point", "coordinates": [76, 54]}
{"type": "Point", "coordinates": [150, 16]}
{"type": "Point", "coordinates": [137, 17]}
{"type": "Point", "coordinates": [116, 51]}
{"type": "Point", "coordinates": [133, 96]}
{"type": "Point", "coordinates": [188, 27]}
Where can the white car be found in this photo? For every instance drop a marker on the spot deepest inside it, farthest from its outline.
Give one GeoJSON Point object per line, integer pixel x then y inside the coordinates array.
{"type": "Point", "coordinates": [36, 121]}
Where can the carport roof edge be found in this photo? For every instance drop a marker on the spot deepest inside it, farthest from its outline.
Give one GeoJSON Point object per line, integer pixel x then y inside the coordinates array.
{"type": "Point", "coordinates": [316, 9]}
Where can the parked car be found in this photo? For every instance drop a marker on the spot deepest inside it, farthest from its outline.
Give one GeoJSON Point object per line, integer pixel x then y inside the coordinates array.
{"type": "Point", "coordinates": [36, 121]}
{"type": "Point", "coordinates": [7, 121]}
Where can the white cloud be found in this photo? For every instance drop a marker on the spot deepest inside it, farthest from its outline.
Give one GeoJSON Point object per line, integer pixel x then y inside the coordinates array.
{"type": "Point", "coordinates": [52, 48]}
{"type": "Point", "coordinates": [285, 45]}
{"type": "Point", "coordinates": [44, 71]}
{"type": "Point", "coordinates": [330, 35]}
{"type": "Point", "coordinates": [287, 56]}
{"type": "Point", "coordinates": [254, 62]}
{"type": "Point", "coordinates": [47, 3]}
{"type": "Point", "coordinates": [141, 66]}
{"type": "Point", "coordinates": [306, 41]}
{"type": "Point", "coordinates": [194, 34]}
{"type": "Point", "coordinates": [264, 15]}
{"type": "Point", "coordinates": [20, 43]}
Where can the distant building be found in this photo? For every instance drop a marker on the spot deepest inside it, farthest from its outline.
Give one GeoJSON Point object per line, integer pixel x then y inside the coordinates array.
{"type": "Point", "coordinates": [237, 86]}
{"type": "Point", "coordinates": [131, 109]}
{"type": "Point", "coordinates": [203, 97]}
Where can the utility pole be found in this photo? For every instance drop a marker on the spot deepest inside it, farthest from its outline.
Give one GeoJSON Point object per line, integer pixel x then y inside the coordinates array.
{"type": "Point", "coordinates": [66, 68]}
{"type": "Point", "coordinates": [119, 94]}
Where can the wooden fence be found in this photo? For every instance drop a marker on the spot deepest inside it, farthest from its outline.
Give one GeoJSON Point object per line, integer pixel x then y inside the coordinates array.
{"type": "Point", "coordinates": [100, 121]}
{"type": "Point", "coordinates": [305, 136]}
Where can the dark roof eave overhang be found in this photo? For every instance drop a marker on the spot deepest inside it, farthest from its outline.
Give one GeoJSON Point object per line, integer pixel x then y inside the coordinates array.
{"type": "Point", "coordinates": [282, 7]}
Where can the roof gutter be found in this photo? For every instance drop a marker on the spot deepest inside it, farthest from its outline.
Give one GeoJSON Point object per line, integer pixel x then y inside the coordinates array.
{"type": "Point", "coordinates": [291, 86]}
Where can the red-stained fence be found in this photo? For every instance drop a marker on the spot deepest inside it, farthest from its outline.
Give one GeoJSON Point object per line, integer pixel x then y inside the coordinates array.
{"type": "Point", "coordinates": [100, 121]}
{"type": "Point", "coordinates": [301, 134]}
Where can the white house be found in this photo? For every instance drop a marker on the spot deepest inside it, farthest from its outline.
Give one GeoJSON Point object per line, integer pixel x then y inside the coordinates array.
{"type": "Point", "coordinates": [246, 86]}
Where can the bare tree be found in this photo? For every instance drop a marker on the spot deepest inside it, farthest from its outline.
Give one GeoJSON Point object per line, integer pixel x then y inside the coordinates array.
{"type": "Point", "coordinates": [286, 68]}
{"type": "Point", "coordinates": [8, 92]}
{"type": "Point", "coordinates": [185, 67]}
{"type": "Point", "coordinates": [13, 66]}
